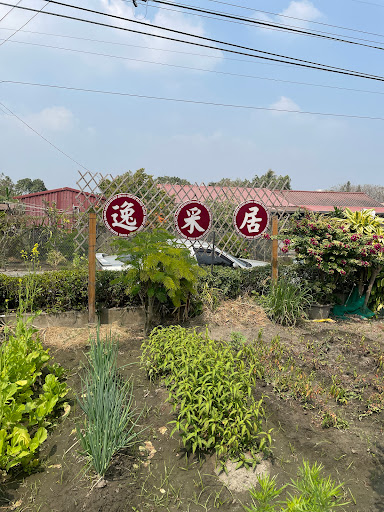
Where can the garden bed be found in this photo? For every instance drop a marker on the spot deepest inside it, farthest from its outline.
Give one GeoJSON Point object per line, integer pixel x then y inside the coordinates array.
{"type": "Point", "coordinates": [323, 393]}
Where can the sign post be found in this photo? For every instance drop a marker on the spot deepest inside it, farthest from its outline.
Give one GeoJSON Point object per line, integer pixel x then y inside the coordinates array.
{"type": "Point", "coordinates": [92, 268]}
{"type": "Point", "coordinates": [275, 248]}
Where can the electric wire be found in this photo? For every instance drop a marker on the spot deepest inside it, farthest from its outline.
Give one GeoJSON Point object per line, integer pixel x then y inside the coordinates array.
{"type": "Point", "coordinates": [189, 101]}
{"type": "Point", "coordinates": [298, 19]}
{"type": "Point", "coordinates": [42, 137]}
{"type": "Point", "coordinates": [191, 68]}
{"type": "Point", "coordinates": [25, 24]}
{"type": "Point", "coordinates": [268, 25]}
{"type": "Point", "coordinates": [297, 62]}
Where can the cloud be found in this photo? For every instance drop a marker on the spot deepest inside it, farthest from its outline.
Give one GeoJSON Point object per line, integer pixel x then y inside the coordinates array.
{"type": "Point", "coordinates": [285, 104]}
{"type": "Point", "coordinates": [303, 10]}
{"type": "Point", "coordinates": [53, 119]}
{"type": "Point", "coordinates": [159, 49]}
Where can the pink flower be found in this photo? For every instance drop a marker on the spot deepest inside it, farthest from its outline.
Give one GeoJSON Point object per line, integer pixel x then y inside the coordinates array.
{"type": "Point", "coordinates": [342, 272]}
{"type": "Point", "coordinates": [266, 236]}
{"type": "Point", "coordinates": [286, 241]}
{"type": "Point", "coordinates": [285, 249]}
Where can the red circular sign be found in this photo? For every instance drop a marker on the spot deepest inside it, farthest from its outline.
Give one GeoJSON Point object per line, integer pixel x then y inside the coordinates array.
{"type": "Point", "coordinates": [124, 214]}
{"type": "Point", "coordinates": [251, 219]}
{"type": "Point", "coordinates": [193, 220]}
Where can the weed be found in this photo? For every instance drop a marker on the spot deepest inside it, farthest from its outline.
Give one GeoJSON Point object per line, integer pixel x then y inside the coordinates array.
{"type": "Point", "coordinates": [312, 493]}
{"type": "Point", "coordinates": [286, 302]}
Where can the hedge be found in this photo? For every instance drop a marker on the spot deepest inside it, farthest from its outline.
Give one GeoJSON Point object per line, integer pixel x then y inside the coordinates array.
{"type": "Point", "coordinates": [65, 290]}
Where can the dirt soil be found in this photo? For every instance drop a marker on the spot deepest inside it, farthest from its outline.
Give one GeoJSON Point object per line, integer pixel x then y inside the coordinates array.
{"type": "Point", "coordinates": [330, 412]}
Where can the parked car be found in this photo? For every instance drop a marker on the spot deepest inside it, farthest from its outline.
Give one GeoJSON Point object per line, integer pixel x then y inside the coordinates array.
{"type": "Point", "coordinates": [201, 251]}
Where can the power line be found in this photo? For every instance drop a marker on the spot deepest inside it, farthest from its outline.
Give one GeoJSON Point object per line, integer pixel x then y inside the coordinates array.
{"type": "Point", "coordinates": [300, 19]}
{"type": "Point", "coordinates": [25, 24]}
{"type": "Point", "coordinates": [179, 66]}
{"type": "Point", "coordinates": [42, 137]}
{"type": "Point", "coordinates": [189, 101]}
{"type": "Point", "coordinates": [268, 25]}
{"type": "Point", "coordinates": [300, 62]}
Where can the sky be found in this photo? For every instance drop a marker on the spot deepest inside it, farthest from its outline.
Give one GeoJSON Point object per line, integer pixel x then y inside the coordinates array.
{"type": "Point", "coordinates": [114, 133]}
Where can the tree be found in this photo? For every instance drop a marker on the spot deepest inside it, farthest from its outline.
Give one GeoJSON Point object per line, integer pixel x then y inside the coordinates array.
{"type": "Point", "coordinates": [28, 186]}
{"type": "Point", "coordinates": [160, 205]}
{"type": "Point", "coordinates": [6, 188]}
{"type": "Point", "coordinates": [374, 191]}
{"type": "Point", "coordinates": [174, 180]}
{"type": "Point", "coordinates": [268, 180]}
{"type": "Point", "coordinates": [158, 270]}
{"type": "Point", "coordinates": [271, 181]}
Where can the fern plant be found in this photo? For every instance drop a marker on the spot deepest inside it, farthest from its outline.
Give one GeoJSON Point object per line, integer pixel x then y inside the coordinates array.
{"type": "Point", "coordinates": [158, 270]}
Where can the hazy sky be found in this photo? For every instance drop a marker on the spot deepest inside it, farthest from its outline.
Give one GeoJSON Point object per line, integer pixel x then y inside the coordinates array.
{"type": "Point", "coordinates": [114, 133]}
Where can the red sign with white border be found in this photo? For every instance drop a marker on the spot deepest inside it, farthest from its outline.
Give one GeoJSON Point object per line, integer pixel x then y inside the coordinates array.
{"type": "Point", "coordinates": [124, 215]}
{"type": "Point", "coordinates": [251, 219]}
{"type": "Point", "coordinates": [193, 220]}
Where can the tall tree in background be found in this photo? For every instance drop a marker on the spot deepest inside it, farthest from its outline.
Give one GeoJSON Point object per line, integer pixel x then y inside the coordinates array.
{"type": "Point", "coordinates": [174, 180]}
{"type": "Point", "coordinates": [6, 188]}
{"type": "Point", "coordinates": [28, 186]}
{"type": "Point", "coordinates": [374, 191]}
{"type": "Point", "coordinates": [268, 180]}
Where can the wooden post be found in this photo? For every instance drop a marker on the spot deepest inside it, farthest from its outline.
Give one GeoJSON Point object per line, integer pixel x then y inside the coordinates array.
{"type": "Point", "coordinates": [92, 269]}
{"type": "Point", "coordinates": [275, 248]}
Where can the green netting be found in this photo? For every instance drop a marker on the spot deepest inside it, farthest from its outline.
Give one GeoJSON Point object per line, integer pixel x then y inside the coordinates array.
{"type": "Point", "coordinates": [353, 306]}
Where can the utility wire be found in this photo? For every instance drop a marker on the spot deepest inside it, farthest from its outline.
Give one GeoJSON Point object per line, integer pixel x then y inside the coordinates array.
{"type": "Point", "coordinates": [298, 19]}
{"type": "Point", "coordinates": [269, 25]}
{"type": "Point", "coordinates": [299, 62]}
{"type": "Point", "coordinates": [42, 136]}
{"type": "Point", "coordinates": [179, 66]}
{"type": "Point", "coordinates": [189, 101]}
{"type": "Point", "coordinates": [25, 24]}
{"type": "Point", "coordinates": [218, 41]}
{"type": "Point", "coordinates": [9, 12]}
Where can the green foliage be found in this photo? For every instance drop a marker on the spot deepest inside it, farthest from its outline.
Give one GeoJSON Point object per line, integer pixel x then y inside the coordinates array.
{"type": "Point", "coordinates": [55, 258]}
{"type": "Point", "coordinates": [175, 180]}
{"type": "Point", "coordinates": [286, 302]}
{"type": "Point", "coordinates": [338, 248]}
{"type": "Point", "coordinates": [159, 204]}
{"type": "Point", "coordinates": [107, 402]}
{"type": "Point", "coordinates": [28, 186]}
{"type": "Point", "coordinates": [268, 180]}
{"type": "Point", "coordinates": [312, 493]}
{"type": "Point", "coordinates": [210, 388]}
{"type": "Point", "coordinates": [65, 290]}
{"type": "Point", "coordinates": [29, 396]}
{"type": "Point", "coordinates": [158, 270]}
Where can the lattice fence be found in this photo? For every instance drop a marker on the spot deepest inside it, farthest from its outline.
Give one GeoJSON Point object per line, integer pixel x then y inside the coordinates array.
{"type": "Point", "coordinates": [162, 200]}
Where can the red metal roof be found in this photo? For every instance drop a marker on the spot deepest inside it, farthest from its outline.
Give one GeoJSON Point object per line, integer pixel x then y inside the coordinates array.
{"type": "Point", "coordinates": [290, 200]}
{"type": "Point", "coordinates": [325, 198]}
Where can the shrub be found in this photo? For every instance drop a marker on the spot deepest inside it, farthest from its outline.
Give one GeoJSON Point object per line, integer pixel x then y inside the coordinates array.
{"type": "Point", "coordinates": [210, 389]}
{"type": "Point", "coordinates": [158, 271]}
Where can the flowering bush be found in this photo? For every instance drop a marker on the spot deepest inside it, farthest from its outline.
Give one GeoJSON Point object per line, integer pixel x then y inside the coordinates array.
{"type": "Point", "coordinates": [336, 249]}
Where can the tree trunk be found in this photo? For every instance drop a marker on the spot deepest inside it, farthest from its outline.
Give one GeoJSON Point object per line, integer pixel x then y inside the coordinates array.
{"type": "Point", "coordinates": [375, 273]}
{"type": "Point", "coordinates": [149, 314]}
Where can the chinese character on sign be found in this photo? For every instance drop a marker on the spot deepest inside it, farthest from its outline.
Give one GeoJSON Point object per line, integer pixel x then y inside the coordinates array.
{"type": "Point", "coordinates": [124, 214]}
{"type": "Point", "coordinates": [251, 219]}
{"type": "Point", "coordinates": [127, 220]}
{"type": "Point", "coordinates": [193, 215]}
{"type": "Point", "coordinates": [193, 220]}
